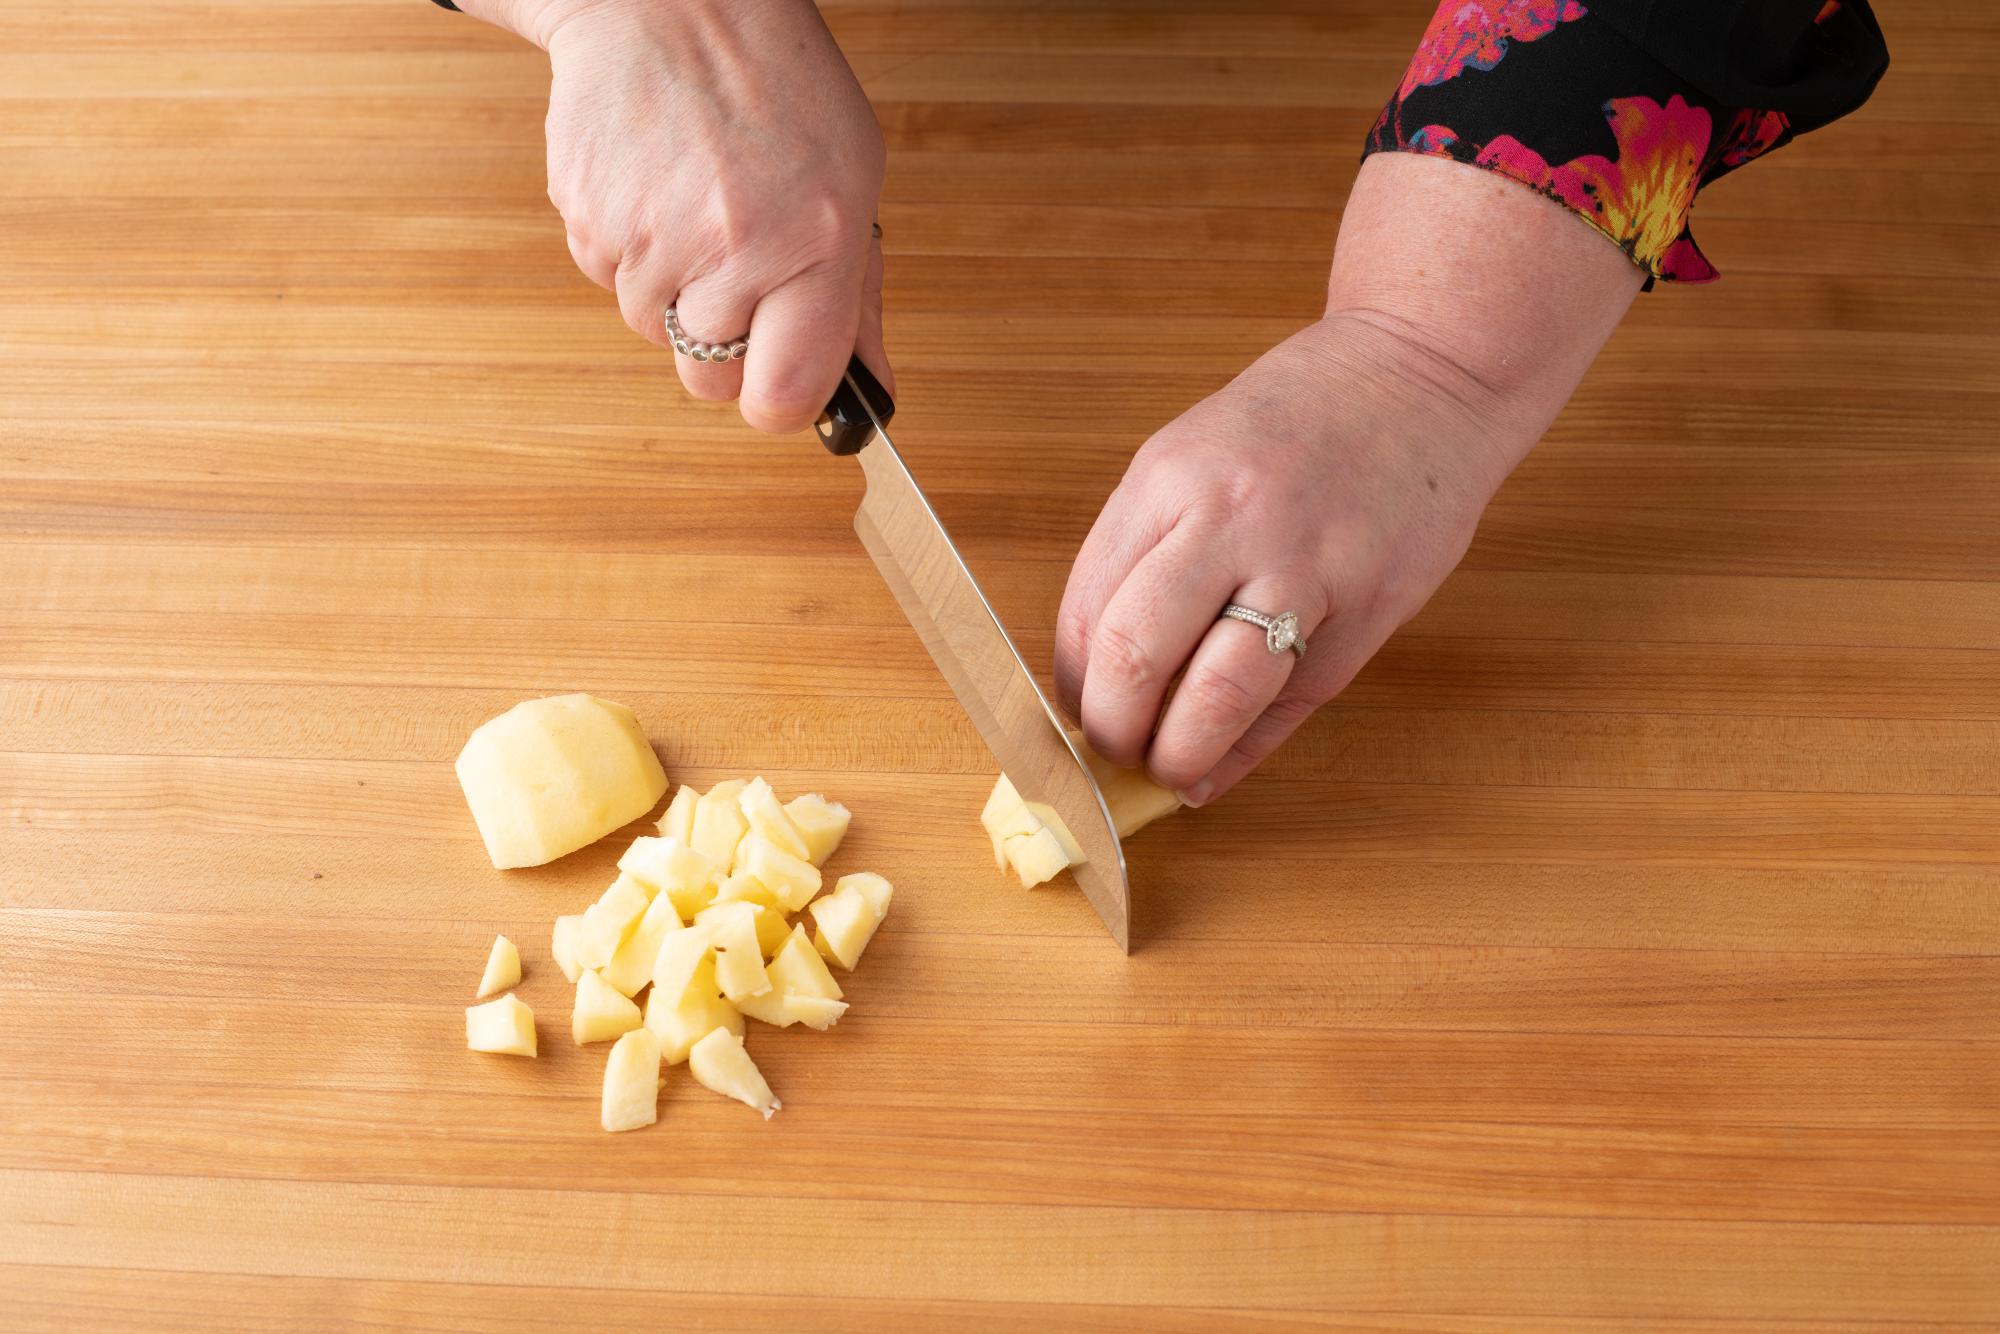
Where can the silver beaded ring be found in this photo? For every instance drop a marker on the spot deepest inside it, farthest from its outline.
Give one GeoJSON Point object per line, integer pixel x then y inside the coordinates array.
{"type": "Point", "coordinates": [733, 350]}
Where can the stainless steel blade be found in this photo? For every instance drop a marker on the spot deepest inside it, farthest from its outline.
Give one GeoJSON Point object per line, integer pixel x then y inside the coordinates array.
{"type": "Point", "coordinates": [949, 612]}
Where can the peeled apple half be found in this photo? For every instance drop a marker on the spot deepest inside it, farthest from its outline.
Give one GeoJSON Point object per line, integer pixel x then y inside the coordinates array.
{"type": "Point", "coordinates": [553, 775]}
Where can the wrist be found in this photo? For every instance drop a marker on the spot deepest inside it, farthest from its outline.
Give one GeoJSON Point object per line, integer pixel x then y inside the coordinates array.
{"type": "Point", "coordinates": [1398, 376]}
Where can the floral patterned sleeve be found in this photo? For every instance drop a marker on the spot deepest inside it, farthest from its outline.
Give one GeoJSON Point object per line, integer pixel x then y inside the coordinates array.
{"type": "Point", "coordinates": [1621, 110]}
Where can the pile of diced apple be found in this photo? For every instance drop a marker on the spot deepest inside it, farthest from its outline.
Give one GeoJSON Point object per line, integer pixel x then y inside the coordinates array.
{"type": "Point", "coordinates": [696, 933]}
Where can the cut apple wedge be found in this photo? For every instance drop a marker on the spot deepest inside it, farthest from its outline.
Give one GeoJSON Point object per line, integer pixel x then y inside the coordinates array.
{"type": "Point", "coordinates": [602, 1011]}
{"type": "Point", "coordinates": [1033, 843]}
{"type": "Point", "coordinates": [720, 1062]}
{"type": "Point", "coordinates": [632, 967]}
{"type": "Point", "coordinates": [766, 817]}
{"type": "Point", "coordinates": [506, 1026]}
{"type": "Point", "coordinates": [562, 946]}
{"type": "Point", "coordinates": [797, 973]}
{"type": "Point", "coordinates": [793, 879]}
{"type": "Point", "coordinates": [719, 824]}
{"type": "Point", "coordinates": [739, 959]}
{"type": "Point", "coordinates": [768, 1008]}
{"type": "Point", "coordinates": [631, 1082]}
{"type": "Point", "coordinates": [798, 970]}
{"type": "Point", "coordinates": [847, 918]}
{"type": "Point", "coordinates": [551, 775]}
{"type": "Point", "coordinates": [682, 1023]}
{"type": "Point", "coordinates": [820, 822]}
{"type": "Point", "coordinates": [684, 964]}
{"type": "Point", "coordinates": [503, 968]}
{"type": "Point", "coordinates": [666, 864]}
{"type": "Point", "coordinates": [815, 1011]}
{"type": "Point", "coordinates": [678, 821]}
{"type": "Point", "coordinates": [607, 922]}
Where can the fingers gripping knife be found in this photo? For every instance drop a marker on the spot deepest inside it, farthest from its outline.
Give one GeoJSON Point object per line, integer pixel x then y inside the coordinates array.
{"type": "Point", "coordinates": [943, 602]}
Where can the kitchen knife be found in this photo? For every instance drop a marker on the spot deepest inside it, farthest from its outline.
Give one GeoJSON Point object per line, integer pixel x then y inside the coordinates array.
{"type": "Point", "coordinates": [960, 628]}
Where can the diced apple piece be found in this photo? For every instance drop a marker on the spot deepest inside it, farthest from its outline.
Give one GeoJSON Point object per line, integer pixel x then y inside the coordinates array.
{"type": "Point", "coordinates": [678, 822]}
{"type": "Point", "coordinates": [765, 816]}
{"type": "Point", "coordinates": [797, 969]}
{"type": "Point", "coordinates": [1036, 858]}
{"type": "Point", "coordinates": [821, 822]}
{"type": "Point", "coordinates": [553, 775]}
{"type": "Point", "coordinates": [719, 824]}
{"type": "Point", "coordinates": [720, 1063]}
{"type": "Point", "coordinates": [739, 959]}
{"type": "Point", "coordinates": [1005, 816]}
{"type": "Point", "coordinates": [679, 1024]}
{"type": "Point", "coordinates": [632, 967]}
{"type": "Point", "coordinates": [602, 1012]}
{"type": "Point", "coordinates": [815, 1011]}
{"type": "Point", "coordinates": [847, 918]}
{"type": "Point", "coordinates": [503, 968]}
{"type": "Point", "coordinates": [684, 964]}
{"type": "Point", "coordinates": [657, 863]}
{"type": "Point", "coordinates": [793, 879]}
{"type": "Point", "coordinates": [506, 1025]}
{"type": "Point", "coordinates": [607, 922]}
{"type": "Point", "coordinates": [562, 946]}
{"type": "Point", "coordinates": [632, 1082]}
{"type": "Point", "coordinates": [745, 888]}
{"type": "Point", "coordinates": [769, 1007]}
{"type": "Point", "coordinates": [1133, 799]}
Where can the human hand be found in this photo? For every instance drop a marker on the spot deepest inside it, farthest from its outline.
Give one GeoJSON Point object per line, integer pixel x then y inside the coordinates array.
{"type": "Point", "coordinates": [722, 159]}
{"type": "Point", "coordinates": [1339, 477]}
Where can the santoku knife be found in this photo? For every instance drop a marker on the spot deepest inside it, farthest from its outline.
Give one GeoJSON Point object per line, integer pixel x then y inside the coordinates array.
{"type": "Point", "coordinates": [960, 628]}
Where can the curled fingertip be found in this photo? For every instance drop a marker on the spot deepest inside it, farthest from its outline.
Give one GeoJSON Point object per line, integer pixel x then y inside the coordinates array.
{"type": "Point", "coordinates": [1197, 794]}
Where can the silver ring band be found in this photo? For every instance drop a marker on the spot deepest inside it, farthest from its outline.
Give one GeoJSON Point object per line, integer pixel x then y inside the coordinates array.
{"type": "Point", "coordinates": [733, 350]}
{"type": "Point", "coordinates": [1281, 632]}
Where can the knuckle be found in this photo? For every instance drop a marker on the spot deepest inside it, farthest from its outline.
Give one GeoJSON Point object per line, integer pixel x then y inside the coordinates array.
{"type": "Point", "coordinates": [1220, 697]}
{"type": "Point", "coordinates": [1126, 660]}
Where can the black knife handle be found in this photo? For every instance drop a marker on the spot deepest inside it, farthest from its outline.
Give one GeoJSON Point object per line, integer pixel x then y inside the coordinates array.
{"type": "Point", "coordinates": [844, 427]}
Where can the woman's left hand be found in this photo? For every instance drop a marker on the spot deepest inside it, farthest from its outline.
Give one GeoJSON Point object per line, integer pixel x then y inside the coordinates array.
{"type": "Point", "coordinates": [1339, 477]}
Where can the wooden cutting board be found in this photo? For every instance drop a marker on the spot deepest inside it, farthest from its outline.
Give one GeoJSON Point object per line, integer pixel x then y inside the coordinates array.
{"type": "Point", "coordinates": [1624, 946]}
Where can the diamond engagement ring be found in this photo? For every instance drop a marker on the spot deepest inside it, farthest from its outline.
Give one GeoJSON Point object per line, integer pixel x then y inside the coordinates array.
{"type": "Point", "coordinates": [1281, 632]}
{"type": "Point", "coordinates": [733, 350]}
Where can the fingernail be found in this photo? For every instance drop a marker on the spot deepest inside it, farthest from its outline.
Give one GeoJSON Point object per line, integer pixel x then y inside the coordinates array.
{"type": "Point", "coordinates": [1198, 795]}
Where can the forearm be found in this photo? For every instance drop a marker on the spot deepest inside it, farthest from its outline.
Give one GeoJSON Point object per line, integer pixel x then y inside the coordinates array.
{"type": "Point", "coordinates": [1502, 296]}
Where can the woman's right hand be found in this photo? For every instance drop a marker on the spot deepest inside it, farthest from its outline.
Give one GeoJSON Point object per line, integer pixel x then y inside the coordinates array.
{"type": "Point", "coordinates": [722, 159]}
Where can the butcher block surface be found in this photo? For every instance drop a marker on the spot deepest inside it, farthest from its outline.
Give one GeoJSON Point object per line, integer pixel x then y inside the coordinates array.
{"type": "Point", "coordinates": [1621, 951]}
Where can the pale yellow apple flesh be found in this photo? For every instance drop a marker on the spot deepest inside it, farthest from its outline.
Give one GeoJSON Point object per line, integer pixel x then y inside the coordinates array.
{"type": "Point", "coordinates": [608, 921]}
{"type": "Point", "coordinates": [631, 1082]}
{"type": "Point", "coordinates": [739, 959]}
{"type": "Point", "coordinates": [553, 775]}
{"type": "Point", "coordinates": [846, 919]}
{"type": "Point", "coordinates": [719, 1062]}
{"type": "Point", "coordinates": [718, 823]}
{"type": "Point", "coordinates": [602, 1012]}
{"type": "Point", "coordinates": [506, 1025]}
{"type": "Point", "coordinates": [695, 934]}
{"type": "Point", "coordinates": [815, 1011]}
{"type": "Point", "coordinates": [562, 946]}
{"type": "Point", "coordinates": [1033, 844]}
{"type": "Point", "coordinates": [679, 1025]}
{"type": "Point", "coordinates": [821, 822]}
{"type": "Point", "coordinates": [503, 968]}
{"type": "Point", "coordinates": [793, 879]}
{"type": "Point", "coordinates": [632, 967]}
{"type": "Point", "coordinates": [767, 818]}
{"type": "Point", "coordinates": [678, 821]}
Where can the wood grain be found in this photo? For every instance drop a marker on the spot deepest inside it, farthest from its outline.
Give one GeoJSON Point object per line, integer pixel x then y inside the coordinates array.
{"type": "Point", "coordinates": [1622, 951]}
